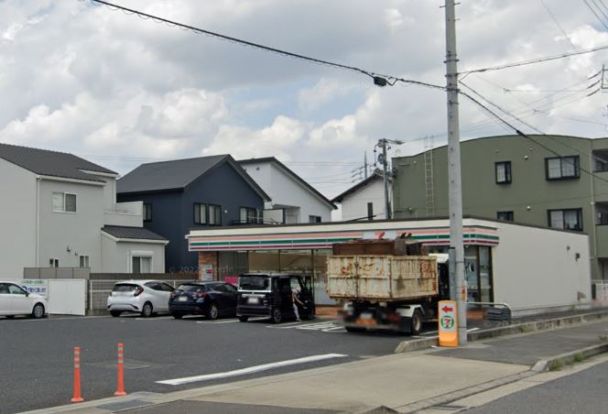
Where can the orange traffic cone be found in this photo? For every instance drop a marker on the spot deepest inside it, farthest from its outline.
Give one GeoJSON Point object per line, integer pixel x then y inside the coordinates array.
{"type": "Point", "coordinates": [120, 386]}
{"type": "Point", "coordinates": [77, 396]}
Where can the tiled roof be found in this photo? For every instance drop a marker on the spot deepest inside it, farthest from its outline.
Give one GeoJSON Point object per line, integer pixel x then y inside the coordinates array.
{"type": "Point", "coordinates": [126, 232]}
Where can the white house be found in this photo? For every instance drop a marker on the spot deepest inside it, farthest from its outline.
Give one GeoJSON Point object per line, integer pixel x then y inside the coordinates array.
{"type": "Point", "coordinates": [60, 210]}
{"type": "Point", "coordinates": [364, 200]}
{"type": "Point", "coordinates": [293, 199]}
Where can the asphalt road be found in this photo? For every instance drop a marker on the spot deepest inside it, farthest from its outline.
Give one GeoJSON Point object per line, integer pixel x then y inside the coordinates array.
{"type": "Point", "coordinates": [37, 355]}
{"type": "Point", "coordinates": [583, 392]}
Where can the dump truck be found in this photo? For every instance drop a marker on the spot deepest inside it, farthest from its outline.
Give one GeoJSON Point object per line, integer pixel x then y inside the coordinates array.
{"type": "Point", "coordinates": [386, 285]}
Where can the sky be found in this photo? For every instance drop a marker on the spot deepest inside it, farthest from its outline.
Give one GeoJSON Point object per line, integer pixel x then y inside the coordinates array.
{"type": "Point", "coordinates": [120, 90]}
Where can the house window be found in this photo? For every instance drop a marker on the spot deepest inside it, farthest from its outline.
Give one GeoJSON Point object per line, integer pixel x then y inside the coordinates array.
{"type": "Point", "coordinates": [141, 264]}
{"type": "Point", "coordinates": [147, 212]}
{"type": "Point", "coordinates": [562, 168]}
{"type": "Point", "coordinates": [215, 215]}
{"type": "Point", "coordinates": [314, 219]}
{"type": "Point", "coordinates": [250, 215]}
{"type": "Point", "coordinates": [84, 261]}
{"type": "Point", "coordinates": [503, 172]}
{"type": "Point", "coordinates": [567, 219]}
{"type": "Point", "coordinates": [53, 262]}
{"type": "Point", "coordinates": [504, 215]}
{"type": "Point", "coordinates": [64, 202]}
{"type": "Point", "coordinates": [200, 213]}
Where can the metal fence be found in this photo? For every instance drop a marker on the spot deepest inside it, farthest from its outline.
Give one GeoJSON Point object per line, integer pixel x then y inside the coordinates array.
{"type": "Point", "coordinates": [99, 290]}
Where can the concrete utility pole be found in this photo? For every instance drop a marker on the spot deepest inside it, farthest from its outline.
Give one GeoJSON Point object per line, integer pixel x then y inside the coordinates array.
{"type": "Point", "coordinates": [454, 178]}
{"type": "Point", "coordinates": [383, 158]}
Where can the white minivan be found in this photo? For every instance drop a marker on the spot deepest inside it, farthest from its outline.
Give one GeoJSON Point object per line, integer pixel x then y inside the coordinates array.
{"type": "Point", "coordinates": [15, 300]}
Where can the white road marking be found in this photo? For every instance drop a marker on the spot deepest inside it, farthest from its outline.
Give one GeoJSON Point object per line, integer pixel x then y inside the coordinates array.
{"type": "Point", "coordinates": [326, 326]}
{"type": "Point", "coordinates": [250, 370]}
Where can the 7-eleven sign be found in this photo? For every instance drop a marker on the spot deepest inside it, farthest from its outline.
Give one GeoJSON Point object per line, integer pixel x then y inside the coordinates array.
{"type": "Point", "coordinates": [448, 327]}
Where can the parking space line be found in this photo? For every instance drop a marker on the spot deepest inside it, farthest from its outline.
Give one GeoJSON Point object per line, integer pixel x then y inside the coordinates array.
{"type": "Point", "coordinates": [207, 322]}
{"type": "Point", "coordinates": [250, 370]}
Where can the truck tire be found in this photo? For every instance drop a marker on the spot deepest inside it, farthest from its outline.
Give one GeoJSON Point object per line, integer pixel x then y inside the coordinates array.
{"type": "Point", "coordinates": [416, 323]}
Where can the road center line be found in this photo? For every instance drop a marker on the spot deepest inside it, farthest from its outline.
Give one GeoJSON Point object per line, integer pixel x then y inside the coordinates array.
{"type": "Point", "coordinates": [250, 370]}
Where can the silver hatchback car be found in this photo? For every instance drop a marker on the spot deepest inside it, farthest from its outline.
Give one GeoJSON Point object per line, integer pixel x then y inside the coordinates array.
{"type": "Point", "coordinates": [146, 297]}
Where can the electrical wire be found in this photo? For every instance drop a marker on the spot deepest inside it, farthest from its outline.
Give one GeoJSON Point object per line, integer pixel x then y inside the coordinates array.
{"type": "Point", "coordinates": [559, 26]}
{"type": "Point", "coordinates": [595, 14]}
{"type": "Point", "coordinates": [534, 61]}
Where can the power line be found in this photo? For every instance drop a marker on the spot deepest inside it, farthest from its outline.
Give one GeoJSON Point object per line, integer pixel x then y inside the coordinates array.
{"type": "Point", "coordinates": [534, 61]}
{"type": "Point", "coordinates": [559, 26]}
{"type": "Point", "coordinates": [595, 14]}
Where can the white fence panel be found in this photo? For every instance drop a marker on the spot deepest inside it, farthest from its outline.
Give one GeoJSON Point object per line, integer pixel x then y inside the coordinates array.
{"type": "Point", "coordinates": [67, 296]}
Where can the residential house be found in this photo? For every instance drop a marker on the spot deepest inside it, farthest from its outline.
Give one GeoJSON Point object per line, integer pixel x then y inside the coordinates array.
{"type": "Point", "coordinates": [364, 200]}
{"type": "Point", "coordinates": [60, 210]}
{"type": "Point", "coordinates": [293, 199]}
{"type": "Point", "coordinates": [544, 180]}
{"type": "Point", "coordinates": [191, 193]}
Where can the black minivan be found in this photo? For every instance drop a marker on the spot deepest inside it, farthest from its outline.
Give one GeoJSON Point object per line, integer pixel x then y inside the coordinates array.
{"type": "Point", "coordinates": [271, 295]}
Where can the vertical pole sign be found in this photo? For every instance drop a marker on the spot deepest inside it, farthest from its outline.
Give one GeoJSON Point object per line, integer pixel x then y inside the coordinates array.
{"type": "Point", "coordinates": [448, 325]}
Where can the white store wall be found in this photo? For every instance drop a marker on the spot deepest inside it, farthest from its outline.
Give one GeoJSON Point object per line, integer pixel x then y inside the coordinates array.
{"type": "Point", "coordinates": [537, 267]}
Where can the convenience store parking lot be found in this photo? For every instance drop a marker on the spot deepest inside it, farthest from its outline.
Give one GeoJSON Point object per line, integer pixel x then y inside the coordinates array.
{"type": "Point", "coordinates": [37, 354]}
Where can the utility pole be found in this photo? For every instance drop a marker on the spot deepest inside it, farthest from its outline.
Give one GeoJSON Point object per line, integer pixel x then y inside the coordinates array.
{"type": "Point", "coordinates": [365, 164]}
{"type": "Point", "coordinates": [454, 174]}
{"type": "Point", "coordinates": [383, 159]}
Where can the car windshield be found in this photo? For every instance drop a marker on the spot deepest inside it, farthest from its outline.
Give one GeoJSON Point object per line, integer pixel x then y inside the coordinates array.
{"type": "Point", "coordinates": [191, 288]}
{"type": "Point", "coordinates": [124, 287]}
{"type": "Point", "coordinates": [254, 282]}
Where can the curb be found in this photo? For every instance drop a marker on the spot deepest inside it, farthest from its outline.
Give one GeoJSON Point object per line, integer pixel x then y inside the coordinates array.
{"type": "Point", "coordinates": [569, 358]}
{"type": "Point", "coordinates": [520, 328]}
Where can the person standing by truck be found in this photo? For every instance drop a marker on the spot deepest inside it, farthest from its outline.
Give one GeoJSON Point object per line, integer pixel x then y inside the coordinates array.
{"type": "Point", "coordinates": [295, 298]}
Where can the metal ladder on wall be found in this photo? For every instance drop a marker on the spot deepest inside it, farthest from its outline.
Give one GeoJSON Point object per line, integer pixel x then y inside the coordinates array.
{"type": "Point", "coordinates": [428, 177]}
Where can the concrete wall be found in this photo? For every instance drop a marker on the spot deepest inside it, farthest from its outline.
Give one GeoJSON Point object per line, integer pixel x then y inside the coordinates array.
{"type": "Point", "coordinates": [117, 255]}
{"type": "Point", "coordinates": [354, 205]}
{"type": "Point", "coordinates": [17, 221]}
{"type": "Point", "coordinates": [535, 268]}
{"type": "Point", "coordinates": [79, 231]}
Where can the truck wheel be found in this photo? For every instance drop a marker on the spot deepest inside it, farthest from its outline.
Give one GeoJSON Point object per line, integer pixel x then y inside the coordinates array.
{"type": "Point", "coordinates": [416, 323]}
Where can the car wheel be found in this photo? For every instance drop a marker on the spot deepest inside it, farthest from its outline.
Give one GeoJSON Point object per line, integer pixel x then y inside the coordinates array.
{"type": "Point", "coordinates": [10, 316]}
{"type": "Point", "coordinates": [213, 311]}
{"type": "Point", "coordinates": [243, 318]}
{"type": "Point", "coordinates": [115, 314]}
{"type": "Point", "coordinates": [177, 315]}
{"type": "Point", "coordinates": [38, 311]}
{"type": "Point", "coordinates": [277, 315]}
{"type": "Point", "coordinates": [147, 310]}
{"type": "Point", "coordinates": [416, 323]}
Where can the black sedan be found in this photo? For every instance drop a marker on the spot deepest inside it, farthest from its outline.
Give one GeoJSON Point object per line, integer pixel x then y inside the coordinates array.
{"type": "Point", "coordinates": [212, 299]}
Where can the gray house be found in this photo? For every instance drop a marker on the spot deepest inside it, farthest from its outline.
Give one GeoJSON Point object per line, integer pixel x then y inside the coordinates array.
{"type": "Point", "coordinates": [60, 210]}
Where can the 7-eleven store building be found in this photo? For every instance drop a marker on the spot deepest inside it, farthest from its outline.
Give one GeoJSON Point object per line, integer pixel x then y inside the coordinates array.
{"type": "Point", "coordinates": [527, 267]}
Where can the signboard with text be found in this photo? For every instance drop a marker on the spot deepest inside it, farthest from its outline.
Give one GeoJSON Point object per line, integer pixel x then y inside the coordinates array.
{"type": "Point", "coordinates": [37, 286]}
{"type": "Point", "coordinates": [448, 329]}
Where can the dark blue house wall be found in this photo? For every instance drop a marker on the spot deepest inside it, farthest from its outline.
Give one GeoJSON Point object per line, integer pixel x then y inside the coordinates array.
{"type": "Point", "coordinates": [173, 213]}
{"type": "Point", "coordinates": [221, 186]}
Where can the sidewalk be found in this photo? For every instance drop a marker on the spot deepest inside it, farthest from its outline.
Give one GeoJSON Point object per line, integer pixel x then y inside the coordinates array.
{"type": "Point", "coordinates": [402, 382]}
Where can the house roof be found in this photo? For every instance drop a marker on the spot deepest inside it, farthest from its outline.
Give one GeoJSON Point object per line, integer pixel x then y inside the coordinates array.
{"type": "Point", "coordinates": [51, 163]}
{"type": "Point", "coordinates": [177, 174]}
{"type": "Point", "coordinates": [136, 233]}
{"type": "Point", "coordinates": [373, 177]}
{"type": "Point", "coordinates": [291, 174]}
